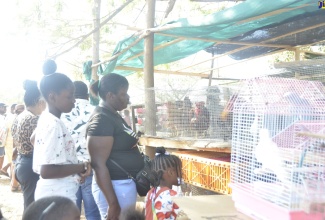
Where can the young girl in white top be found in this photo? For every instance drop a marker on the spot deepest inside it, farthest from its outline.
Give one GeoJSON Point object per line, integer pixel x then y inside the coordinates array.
{"type": "Point", "coordinates": [168, 171]}
{"type": "Point", "coordinates": [54, 151]}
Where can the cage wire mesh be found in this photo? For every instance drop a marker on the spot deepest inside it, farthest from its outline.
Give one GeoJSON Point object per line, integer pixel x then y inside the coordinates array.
{"type": "Point", "coordinates": [191, 113]}
{"type": "Point", "coordinates": [271, 162]}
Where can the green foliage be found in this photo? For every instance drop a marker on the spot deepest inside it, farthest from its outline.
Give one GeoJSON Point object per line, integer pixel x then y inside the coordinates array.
{"type": "Point", "coordinates": [289, 56]}
{"type": "Point", "coordinates": [286, 56]}
{"type": "Point", "coordinates": [86, 45]}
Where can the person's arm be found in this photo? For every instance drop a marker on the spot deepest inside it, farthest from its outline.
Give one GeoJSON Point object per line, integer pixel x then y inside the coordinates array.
{"type": "Point", "coordinates": [32, 138]}
{"type": "Point", "coordinates": [99, 149]}
{"type": "Point", "coordinates": [14, 153]}
{"type": "Point", "coordinates": [53, 171]}
{"type": "Point", "coordinates": [53, 157]}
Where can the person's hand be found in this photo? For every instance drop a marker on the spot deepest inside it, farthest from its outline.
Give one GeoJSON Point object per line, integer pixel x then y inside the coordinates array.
{"type": "Point", "coordinates": [113, 212]}
{"type": "Point", "coordinates": [88, 171]}
{"type": "Point", "coordinates": [136, 144]}
{"type": "Point", "coordinates": [82, 179]}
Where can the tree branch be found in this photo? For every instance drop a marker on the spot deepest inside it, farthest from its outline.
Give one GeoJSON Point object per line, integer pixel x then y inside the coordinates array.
{"type": "Point", "coordinates": [84, 37]}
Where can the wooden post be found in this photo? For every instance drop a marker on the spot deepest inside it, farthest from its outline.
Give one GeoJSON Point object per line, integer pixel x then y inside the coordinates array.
{"type": "Point", "coordinates": [297, 54]}
{"type": "Point", "coordinates": [96, 38]}
{"type": "Point", "coordinates": [149, 83]}
{"type": "Point", "coordinates": [212, 67]}
{"type": "Point", "coordinates": [150, 106]}
{"type": "Point", "coordinates": [297, 58]}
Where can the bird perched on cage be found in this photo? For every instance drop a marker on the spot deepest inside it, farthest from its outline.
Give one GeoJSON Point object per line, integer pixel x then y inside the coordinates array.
{"type": "Point", "coordinates": [268, 154]}
{"type": "Point", "coordinates": [200, 121]}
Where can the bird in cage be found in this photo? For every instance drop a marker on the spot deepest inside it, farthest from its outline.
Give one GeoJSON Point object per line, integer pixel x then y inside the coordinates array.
{"type": "Point", "coordinates": [200, 121]}
{"type": "Point", "coordinates": [268, 154]}
{"type": "Point", "coordinates": [186, 110]}
{"type": "Point", "coordinates": [226, 117]}
{"type": "Point", "coordinates": [178, 116]}
{"type": "Point", "coordinates": [173, 117]}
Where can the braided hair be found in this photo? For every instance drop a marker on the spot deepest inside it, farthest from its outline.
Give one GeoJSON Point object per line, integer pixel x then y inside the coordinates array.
{"type": "Point", "coordinates": [162, 162]}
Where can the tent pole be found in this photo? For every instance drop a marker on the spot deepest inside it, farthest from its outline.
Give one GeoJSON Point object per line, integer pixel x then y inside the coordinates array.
{"type": "Point", "coordinates": [150, 106]}
{"type": "Point", "coordinates": [212, 67]}
{"type": "Point", "coordinates": [297, 58]}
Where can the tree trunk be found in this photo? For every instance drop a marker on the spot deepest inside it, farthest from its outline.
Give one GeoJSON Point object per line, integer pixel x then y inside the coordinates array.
{"type": "Point", "coordinates": [96, 38]}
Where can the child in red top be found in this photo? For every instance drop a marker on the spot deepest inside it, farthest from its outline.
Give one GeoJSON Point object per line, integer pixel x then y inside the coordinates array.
{"type": "Point", "coordinates": [167, 169]}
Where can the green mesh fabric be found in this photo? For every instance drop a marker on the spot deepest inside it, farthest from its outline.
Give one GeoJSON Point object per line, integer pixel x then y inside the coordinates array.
{"type": "Point", "coordinates": [223, 25]}
{"type": "Point", "coordinates": [87, 70]}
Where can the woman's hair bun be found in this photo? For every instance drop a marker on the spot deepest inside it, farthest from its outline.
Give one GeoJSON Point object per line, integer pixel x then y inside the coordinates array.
{"type": "Point", "coordinates": [49, 67]}
{"type": "Point", "coordinates": [30, 85]}
{"type": "Point", "coordinates": [160, 150]}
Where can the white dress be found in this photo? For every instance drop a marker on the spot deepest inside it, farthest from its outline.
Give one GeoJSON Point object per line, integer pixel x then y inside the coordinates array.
{"type": "Point", "coordinates": [54, 145]}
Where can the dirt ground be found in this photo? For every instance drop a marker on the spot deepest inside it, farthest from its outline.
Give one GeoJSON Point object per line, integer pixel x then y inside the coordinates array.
{"type": "Point", "coordinates": [11, 203]}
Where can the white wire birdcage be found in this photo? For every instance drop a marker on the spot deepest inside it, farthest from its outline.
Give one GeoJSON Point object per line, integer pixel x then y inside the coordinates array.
{"type": "Point", "coordinates": [275, 173]}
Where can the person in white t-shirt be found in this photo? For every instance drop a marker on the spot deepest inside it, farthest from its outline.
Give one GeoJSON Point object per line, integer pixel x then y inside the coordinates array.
{"type": "Point", "coordinates": [55, 156]}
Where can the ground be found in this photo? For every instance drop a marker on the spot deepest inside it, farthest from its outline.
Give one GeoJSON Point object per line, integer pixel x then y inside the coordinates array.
{"type": "Point", "coordinates": [11, 203]}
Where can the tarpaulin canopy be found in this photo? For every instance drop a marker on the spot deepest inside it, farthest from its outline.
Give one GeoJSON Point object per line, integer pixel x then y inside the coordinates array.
{"type": "Point", "coordinates": [245, 30]}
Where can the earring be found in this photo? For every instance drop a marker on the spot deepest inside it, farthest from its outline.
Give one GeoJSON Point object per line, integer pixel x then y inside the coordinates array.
{"type": "Point", "coordinates": [180, 181]}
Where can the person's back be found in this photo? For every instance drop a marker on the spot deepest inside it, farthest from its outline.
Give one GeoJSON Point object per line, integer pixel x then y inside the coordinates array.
{"type": "Point", "coordinates": [22, 130]}
{"type": "Point", "coordinates": [76, 122]}
{"type": "Point", "coordinates": [52, 208]}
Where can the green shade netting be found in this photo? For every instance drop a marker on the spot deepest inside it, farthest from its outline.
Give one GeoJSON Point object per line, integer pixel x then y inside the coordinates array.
{"type": "Point", "coordinates": [223, 25]}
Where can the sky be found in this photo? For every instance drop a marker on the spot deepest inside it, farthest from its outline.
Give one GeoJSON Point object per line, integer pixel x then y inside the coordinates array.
{"type": "Point", "coordinates": [21, 54]}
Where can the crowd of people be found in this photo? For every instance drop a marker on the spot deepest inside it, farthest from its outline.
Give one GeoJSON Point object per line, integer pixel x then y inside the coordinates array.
{"type": "Point", "coordinates": [61, 152]}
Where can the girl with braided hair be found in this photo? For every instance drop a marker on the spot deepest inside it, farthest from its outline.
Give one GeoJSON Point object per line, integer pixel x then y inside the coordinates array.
{"type": "Point", "coordinates": [167, 170]}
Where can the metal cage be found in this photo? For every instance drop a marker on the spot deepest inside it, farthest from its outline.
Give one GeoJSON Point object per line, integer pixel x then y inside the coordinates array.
{"type": "Point", "coordinates": [191, 114]}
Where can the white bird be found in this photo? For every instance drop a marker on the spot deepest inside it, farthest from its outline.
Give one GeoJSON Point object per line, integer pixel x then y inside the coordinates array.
{"type": "Point", "coordinates": [268, 154]}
